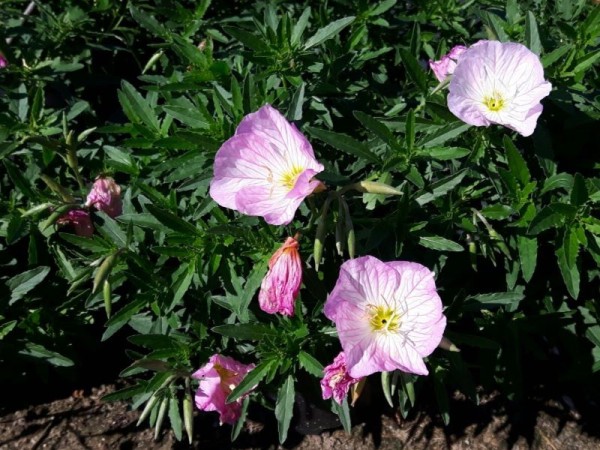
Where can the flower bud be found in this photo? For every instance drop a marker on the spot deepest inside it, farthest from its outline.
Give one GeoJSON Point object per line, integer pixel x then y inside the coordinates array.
{"type": "Point", "coordinates": [281, 284]}
{"type": "Point", "coordinates": [3, 61]}
{"type": "Point", "coordinates": [80, 220]}
{"type": "Point", "coordinates": [375, 187]}
{"type": "Point", "coordinates": [106, 196]}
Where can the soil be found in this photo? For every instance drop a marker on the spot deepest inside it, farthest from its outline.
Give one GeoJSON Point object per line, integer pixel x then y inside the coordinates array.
{"type": "Point", "coordinates": [83, 421]}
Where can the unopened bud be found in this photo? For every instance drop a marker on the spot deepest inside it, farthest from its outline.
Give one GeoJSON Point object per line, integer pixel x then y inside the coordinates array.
{"type": "Point", "coordinates": [375, 187]}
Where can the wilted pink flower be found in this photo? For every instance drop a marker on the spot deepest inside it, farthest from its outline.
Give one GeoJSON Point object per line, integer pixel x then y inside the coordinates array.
{"type": "Point", "coordinates": [498, 82]}
{"type": "Point", "coordinates": [3, 61]}
{"type": "Point", "coordinates": [388, 315]}
{"type": "Point", "coordinates": [218, 378]}
{"type": "Point", "coordinates": [337, 381]}
{"type": "Point", "coordinates": [445, 66]}
{"type": "Point", "coordinates": [266, 169]}
{"type": "Point", "coordinates": [106, 196]}
{"type": "Point", "coordinates": [81, 221]}
{"type": "Point", "coordinates": [281, 284]}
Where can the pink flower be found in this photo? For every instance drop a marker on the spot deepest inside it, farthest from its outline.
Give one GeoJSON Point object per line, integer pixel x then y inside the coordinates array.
{"type": "Point", "coordinates": [388, 315]}
{"type": "Point", "coordinates": [337, 381]}
{"type": "Point", "coordinates": [445, 66]}
{"type": "Point", "coordinates": [501, 83]}
{"type": "Point", "coordinates": [266, 169]}
{"type": "Point", "coordinates": [281, 284]}
{"type": "Point", "coordinates": [106, 196]}
{"type": "Point", "coordinates": [218, 378]}
{"type": "Point", "coordinates": [80, 220]}
{"type": "Point", "coordinates": [3, 61]}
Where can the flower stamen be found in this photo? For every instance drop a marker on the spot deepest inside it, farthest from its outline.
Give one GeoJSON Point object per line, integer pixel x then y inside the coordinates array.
{"type": "Point", "coordinates": [384, 318]}
{"type": "Point", "coordinates": [494, 102]}
{"type": "Point", "coordinates": [289, 177]}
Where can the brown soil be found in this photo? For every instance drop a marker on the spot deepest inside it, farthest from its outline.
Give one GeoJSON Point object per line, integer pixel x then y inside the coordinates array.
{"type": "Point", "coordinates": [85, 422]}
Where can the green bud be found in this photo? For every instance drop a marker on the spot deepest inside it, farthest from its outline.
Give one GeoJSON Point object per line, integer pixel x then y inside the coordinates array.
{"type": "Point", "coordinates": [188, 412]}
{"type": "Point", "coordinates": [36, 209]}
{"type": "Point", "coordinates": [375, 187]}
{"type": "Point", "coordinates": [104, 270]}
{"type": "Point", "coordinates": [320, 234]}
{"type": "Point", "coordinates": [107, 298]}
{"type": "Point", "coordinates": [446, 344]}
{"type": "Point", "coordinates": [161, 417]}
{"type": "Point", "coordinates": [351, 238]}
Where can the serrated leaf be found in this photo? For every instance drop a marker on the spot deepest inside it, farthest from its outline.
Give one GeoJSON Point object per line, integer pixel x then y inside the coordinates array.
{"type": "Point", "coordinates": [551, 216]}
{"type": "Point", "coordinates": [439, 243]}
{"type": "Point", "coordinates": [444, 134]}
{"type": "Point", "coordinates": [250, 331]}
{"type": "Point", "coordinates": [328, 32]}
{"type": "Point", "coordinates": [284, 408]}
{"type": "Point", "coordinates": [532, 36]}
{"type": "Point", "coordinates": [414, 70]}
{"type": "Point", "coordinates": [344, 143]}
{"type": "Point", "coordinates": [440, 187]}
{"type": "Point", "coordinates": [560, 180]}
{"type": "Point", "coordinates": [136, 107]}
{"type": "Point", "coordinates": [250, 380]}
{"type": "Point", "coordinates": [579, 193]}
{"type": "Point", "coordinates": [310, 364]}
{"type": "Point", "coordinates": [172, 221]}
{"type": "Point", "coordinates": [22, 283]}
{"type": "Point", "coordinates": [516, 163]}
{"type": "Point", "coordinates": [528, 250]}
{"type": "Point", "coordinates": [566, 252]}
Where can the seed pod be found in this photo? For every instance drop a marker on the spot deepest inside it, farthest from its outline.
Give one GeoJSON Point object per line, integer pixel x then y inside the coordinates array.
{"type": "Point", "coordinates": [339, 230]}
{"type": "Point", "coordinates": [104, 270]}
{"type": "Point", "coordinates": [350, 236]}
{"type": "Point", "coordinates": [446, 344]}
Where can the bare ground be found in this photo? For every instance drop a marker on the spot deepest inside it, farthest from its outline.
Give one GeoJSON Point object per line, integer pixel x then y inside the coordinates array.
{"type": "Point", "coordinates": [83, 421]}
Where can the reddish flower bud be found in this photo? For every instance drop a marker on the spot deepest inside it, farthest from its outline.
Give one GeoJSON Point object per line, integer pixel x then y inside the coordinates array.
{"type": "Point", "coordinates": [106, 196]}
{"type": "Point", "coordinates": [80, 220]}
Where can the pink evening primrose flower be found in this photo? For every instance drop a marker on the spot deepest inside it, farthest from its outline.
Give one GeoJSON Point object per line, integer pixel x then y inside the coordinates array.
{"type": "Point", "coordinates": [281, 284]}
{"type": "Point", "coordinates": [266, 169]}
{"type": "Point", "coordinates": [105, 196]}
{"type": "Point", "coordinates": [446, 65]}
{"type": "Point", "coordinates": [80, 220]}
{"type": "Point", "coordinates": [3, 61]}
{"type": "Point", "coordinates": [218, 377]}
{"type": "Point", "coordinates": [501, 83]}
{"type": "Point", "coordinates": [388, 315]}
{"type": "Point", "coordinates": [337, 382]}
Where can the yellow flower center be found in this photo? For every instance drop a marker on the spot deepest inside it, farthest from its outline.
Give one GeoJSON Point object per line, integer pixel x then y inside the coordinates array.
{"type": "Point", "coordinates": [384, 318]}
{"type": "Point", "coordinates": [289, 177]}
{"type": "Point", "coordinates": [494, 102]}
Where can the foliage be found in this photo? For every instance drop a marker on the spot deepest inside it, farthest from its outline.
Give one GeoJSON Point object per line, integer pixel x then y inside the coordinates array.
{"type": "Point", "coordinates": [147, 92]}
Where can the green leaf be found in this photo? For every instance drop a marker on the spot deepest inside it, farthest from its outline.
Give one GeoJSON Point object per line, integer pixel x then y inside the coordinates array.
{"type": "Point", "coordinates": [6, 328]}
{"type": "Point", "coordinates": [495, 27]}
{"type": "Point", "coordinates": [585, 62]}
{"type": "Point", "coordinates": [532, 36]}
{"type": "Point", "coordinates": [382, 7]}
{"type": "Point", "coordinates": [21, 284]}
{"type": "Point", "coordinates": [567, 249]}
{"type": "Point", "coordinates": [248, 39]}
{"type": "Point", "coordinates": [410, 130]}
{"type": "Point", "coordinates": [551, 216]}
{"type": "Point", "coordinates": [560, 180]}
{"type": "Point", "coordinates": [136, 107]}
{"type": "Point", "coordinates": [249, 331]}
{"type": "Point", "coordinates": [440, 187]}
{"type": "Point", "coordinates": [441, 395]}
{"type": "Point", "coordinates": [378, 128]}
{"type": "Point", "coordinates": [497, 211]}
{"type": "Point", "coordinates": [173, 222]}
{"type": "Point", "coordinates": [579, 193]}
{"type": "Point", "coordinates": [188, 116]}
{"type": "Point", "coordinates": [414, 70]}
{"type": "Point", "coordinates": [295, 109]}
{"type": "Point", "coordinates": [175, 418]}
{"type": "Point", "coordinates": [93, 243]}
{"type": "Point", "coordinates": [327, 32]}
{"type": "Point", "coordinates": [20, 181]}
{"type": "Point", "coordinates": [516, 163]}
{"type": "Point", "coordinates": [284, 408]}
{"type": "Point", "coordinates": [250, 380]}
{"type": "Point", "coordinates": [148, 21]}
{"type": "Point", "coordinates": [555, 55]}
{"type": "Point", "coordinates": [444, 153]}
{"type": "Point", "coordinates": [528, 250]}
{"type": "Point", "coordinates": [40, 352]}
{"type": "Point", "coordinates": [299, 27]}
{"type": "Point", "coordinates": [344, 143]}
{"type": "Point", "coordinates": [117, 321]}
{"type": "Point", "coordinates": [111, 230]}
{"type": "Point", "coordinates": [125, 393]}
{"type": "Point", "coordinates": [496, 298]}
{"type": "Point", "coordinates": [310, 364]}
{"type": "Point", "coordinates": [439, 243]}
{"type": "Point", "coordinates": [343, 412]}
{"type": "Point", "coordinates": [183, 282]}
{"type": "Point", "coordinates": [444, 134]}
